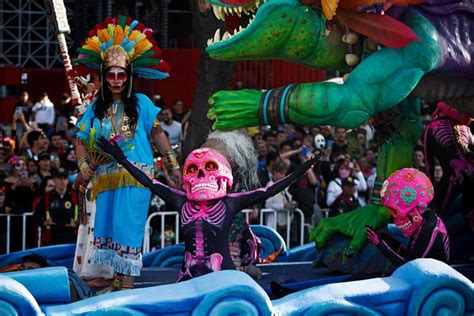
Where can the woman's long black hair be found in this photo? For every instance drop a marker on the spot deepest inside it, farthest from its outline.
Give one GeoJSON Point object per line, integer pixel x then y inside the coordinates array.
{"type": "Point", "coordinates": [104, 100]}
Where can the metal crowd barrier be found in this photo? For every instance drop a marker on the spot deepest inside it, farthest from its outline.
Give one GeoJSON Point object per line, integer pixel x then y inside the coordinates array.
{"type": "Point", "coordinates": [265, 211]}
{"type": "Point", "coordinates": [149, 230]}
{"type": "Point", "coordinates": [23, 230]}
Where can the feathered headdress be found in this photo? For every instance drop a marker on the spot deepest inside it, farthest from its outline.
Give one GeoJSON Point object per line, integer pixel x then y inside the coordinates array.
{"type": "Point", "coordinates": [121, 41]}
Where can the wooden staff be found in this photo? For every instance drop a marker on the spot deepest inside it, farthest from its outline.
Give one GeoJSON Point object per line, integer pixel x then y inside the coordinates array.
{"type": "Point", "coordinates": [57, 14]}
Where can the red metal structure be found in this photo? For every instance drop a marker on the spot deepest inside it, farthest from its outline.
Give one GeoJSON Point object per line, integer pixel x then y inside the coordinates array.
{"type": "Point", "coordinates": [274, 73]}
{"type": "Point", "coordinates": [181, 85]}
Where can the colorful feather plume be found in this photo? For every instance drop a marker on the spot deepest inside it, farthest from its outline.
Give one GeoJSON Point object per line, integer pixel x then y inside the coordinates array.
{"type": "Point", "coordinates": [382, 28]}
{"type": "Point", "coordinates": [143, 52]}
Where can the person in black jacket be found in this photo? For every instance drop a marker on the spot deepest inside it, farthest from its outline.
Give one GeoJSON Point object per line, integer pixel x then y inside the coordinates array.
{"type": "Point", "coordinates": [346, 201]}
{"type": "Point", "coordinates": [57, 211]}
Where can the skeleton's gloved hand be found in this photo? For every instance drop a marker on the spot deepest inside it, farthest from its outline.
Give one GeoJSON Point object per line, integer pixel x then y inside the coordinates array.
{"type": "Point", "coordinates": [112, 148]}
{"type": "Point", "coordinates": [372, 236]}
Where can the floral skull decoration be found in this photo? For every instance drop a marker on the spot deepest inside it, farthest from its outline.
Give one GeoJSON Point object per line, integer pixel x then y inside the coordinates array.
{"type": "Point", "coordinates": [207, 175]}
{"type": "Point", "coordinates": [406, 194]}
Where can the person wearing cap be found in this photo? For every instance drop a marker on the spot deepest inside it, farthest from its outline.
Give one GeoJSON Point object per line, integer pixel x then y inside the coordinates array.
{"type": "Point", "coordinates": [56, 211]}
{"type": "Point", "coordinates": [346, 201]}
{"type": "Point", "coordinates": [44, 165]}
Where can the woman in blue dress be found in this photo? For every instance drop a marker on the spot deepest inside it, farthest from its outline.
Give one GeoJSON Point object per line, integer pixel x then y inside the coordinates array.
{"type": "Point", "coordinates": [124, 49]}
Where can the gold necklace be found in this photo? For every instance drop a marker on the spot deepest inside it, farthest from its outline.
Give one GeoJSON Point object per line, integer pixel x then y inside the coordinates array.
{"type": "Point", "coordinates": [120, 126]}
{"type": "Point", "coordinates": [113, 120]}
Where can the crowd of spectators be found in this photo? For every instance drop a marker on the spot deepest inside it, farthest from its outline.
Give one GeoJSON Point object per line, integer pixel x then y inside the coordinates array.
{"type": "Point", "coordinates": [38, 166]}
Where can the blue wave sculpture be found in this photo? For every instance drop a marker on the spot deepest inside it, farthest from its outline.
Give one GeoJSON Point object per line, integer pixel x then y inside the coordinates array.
{"type": "Point", "coordinates": [420, 287]}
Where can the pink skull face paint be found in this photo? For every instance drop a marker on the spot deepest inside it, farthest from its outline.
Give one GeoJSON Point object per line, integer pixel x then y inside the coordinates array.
{"type": "Point", "coordinates": [207, 175]}
{"type": "Point", "coordinates": [406, 194]}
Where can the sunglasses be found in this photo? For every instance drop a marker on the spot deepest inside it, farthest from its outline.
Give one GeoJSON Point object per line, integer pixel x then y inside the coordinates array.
{"type": "Point", "coordinates": [117, 76]}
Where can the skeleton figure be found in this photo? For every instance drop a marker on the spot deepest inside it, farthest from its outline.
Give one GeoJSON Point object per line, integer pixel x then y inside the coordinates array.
{"type": "Point", "coordinates": [406, 194]}
{"type": "Point", "coordinates": [449, 140]}
{"type": "Point", "coordinates": [206, 207]}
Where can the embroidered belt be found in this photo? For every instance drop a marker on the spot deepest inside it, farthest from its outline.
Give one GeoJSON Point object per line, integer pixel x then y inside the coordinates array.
{"type": "Point", "coordinates": [113, 176]}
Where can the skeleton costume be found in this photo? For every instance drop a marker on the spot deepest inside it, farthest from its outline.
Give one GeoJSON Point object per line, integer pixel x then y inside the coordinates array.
{"type": "Point", "coordinates": [449, 139]}
{"type": "Point", "coordinates": [121, 201]}
{"type": "Point", "coordinates": [407, 193]}
{"type": "Point", "coordinates": [206, 208]}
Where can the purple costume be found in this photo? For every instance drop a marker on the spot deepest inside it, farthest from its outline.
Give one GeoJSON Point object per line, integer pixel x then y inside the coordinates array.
{"type": "Point", "coordinates": [448, 139]}
{"type": "Point", "coordinates": [406, 194]}
{"type": "Point", "coordinates": [205, 223]}
{"type": "Point", "coordinates": [453, 22]}
{"type": "Point", "coordinates": [429, 241]}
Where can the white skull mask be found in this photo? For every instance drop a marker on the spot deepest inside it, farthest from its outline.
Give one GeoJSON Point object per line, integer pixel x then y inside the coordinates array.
{"type": "Point", "coordinates": [320, 142]}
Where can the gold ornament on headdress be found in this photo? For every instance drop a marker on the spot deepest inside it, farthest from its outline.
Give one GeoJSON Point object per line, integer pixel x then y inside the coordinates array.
{"type": "Point", "coordinates": [116, 56]}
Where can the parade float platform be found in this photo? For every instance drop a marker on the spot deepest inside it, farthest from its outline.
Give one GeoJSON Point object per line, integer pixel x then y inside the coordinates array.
{"type": "Point", "coordinates": [420, 287]}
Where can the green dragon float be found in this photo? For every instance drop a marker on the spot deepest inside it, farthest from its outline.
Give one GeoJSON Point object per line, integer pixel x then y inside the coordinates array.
{"type": "Point", "coordinates": [394, 59]}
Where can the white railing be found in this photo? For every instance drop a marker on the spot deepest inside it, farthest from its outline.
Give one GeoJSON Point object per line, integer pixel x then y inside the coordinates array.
{"type": "Point", "coordinates": [23, 230]}
{"type": "Point", "coordinates": [149, 230]}
{"type": "Point", "coordinates": [266, 211]}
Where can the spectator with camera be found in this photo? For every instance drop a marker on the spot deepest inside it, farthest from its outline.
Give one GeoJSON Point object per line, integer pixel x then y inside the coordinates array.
{"type": "Point", "coordinates": [21, 117]}
{"type": "Point", "coordinates": [20, 193]}
{"type": "Point", "coordinates": [343, 169]}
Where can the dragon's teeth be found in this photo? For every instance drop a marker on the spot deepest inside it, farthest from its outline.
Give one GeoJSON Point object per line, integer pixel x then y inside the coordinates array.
{"type": "Point", "coordinates": [240, 28]}
{"type": "Point", "coordinates": [217, 36]}
{"type": "Point", "coordinates": [226, 36]}
{"type": "Point", "coordinates": [221, 13]}
{"type": "Point", "coordinates": [216, 12]}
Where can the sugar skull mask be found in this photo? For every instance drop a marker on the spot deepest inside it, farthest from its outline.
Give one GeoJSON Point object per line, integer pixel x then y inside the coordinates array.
{"type": "Point", "coordinates": [207, 175]}
{"type": "Point", "coordinates": [406, 194]}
